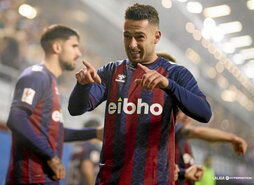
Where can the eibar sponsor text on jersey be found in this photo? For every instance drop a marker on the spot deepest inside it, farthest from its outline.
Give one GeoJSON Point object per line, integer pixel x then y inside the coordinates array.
{"type": "Point", "coordinates": [131, 108]}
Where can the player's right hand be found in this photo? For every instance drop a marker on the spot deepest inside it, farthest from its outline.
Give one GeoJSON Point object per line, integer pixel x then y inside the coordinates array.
{"type": "Point", "coordinates": [240, 145]}
{"type": "Point", "coordinates": [88, 74]}
{"type": "Point", "coordinates": [57, 167]}
{"type": "Point", "coordinates": [194, 172]}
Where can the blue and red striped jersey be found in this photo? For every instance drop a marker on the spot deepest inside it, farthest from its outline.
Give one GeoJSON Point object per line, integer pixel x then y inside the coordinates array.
{"type": "Point", "coordinates": [139, 137]}
{"type": "Point", "coordinates": [37, 136]}
{"type": "Point", "coordinates": [183, 153]}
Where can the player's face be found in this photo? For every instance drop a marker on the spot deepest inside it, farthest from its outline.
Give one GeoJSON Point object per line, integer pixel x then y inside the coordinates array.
{"type": "Point", "coordinates": [140, 39]}
{"type": "Point", "coordinates": [70, 53]}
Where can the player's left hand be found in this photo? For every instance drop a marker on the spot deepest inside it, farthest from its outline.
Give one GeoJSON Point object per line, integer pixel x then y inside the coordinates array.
{"type": "Point", "coordinates": [151, 79]}
{"type": "Point", "coordinates": [240, 145]}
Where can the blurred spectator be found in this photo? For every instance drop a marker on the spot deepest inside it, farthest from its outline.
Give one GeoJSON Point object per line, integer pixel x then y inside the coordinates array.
{"type": "Point", "coordinates": [84, 164]}
{"type": "Point", "coordinates": [9, 52]}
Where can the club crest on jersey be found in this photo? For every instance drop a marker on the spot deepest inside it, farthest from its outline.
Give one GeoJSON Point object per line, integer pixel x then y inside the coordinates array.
{"type": "Point", "coordinates": [131, 108]}
{"type": "Point", "coordinates": [28, 95]}
{"type": "Point", "coordinates": [120, 78]}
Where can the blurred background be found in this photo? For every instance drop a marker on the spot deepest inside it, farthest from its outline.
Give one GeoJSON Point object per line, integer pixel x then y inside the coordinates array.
{"type": "Point", "coordinates": [213, 39]}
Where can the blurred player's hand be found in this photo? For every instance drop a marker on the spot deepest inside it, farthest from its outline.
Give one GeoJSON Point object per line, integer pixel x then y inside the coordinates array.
{"type": "Point", "coordinates": [100, 132]}
{"type": "Point", "coordinates": [240, 145]}
{"type": "Point", "coordinates": [88, 74]}
{"type": "Point", "coordinates": [195, 173]}
{"type": "Point", "coordinates": [57, 167]}
{"type": "Point", "coordinates": [177, 170]}
{"type": "Point", "coordinates": [151, 79]}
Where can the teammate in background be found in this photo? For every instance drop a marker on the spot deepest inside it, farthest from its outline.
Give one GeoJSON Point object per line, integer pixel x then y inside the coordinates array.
{"type": "Point", "coordinates": [35, 117]}
{"type": "Point", "coordinates": [184, 131]}
{"type": "Point", "coordinates": [166, 56]}
{"type": "Point", "coordinates": [184, 156]}
{"type": "Point", "coordinates": [84, 162]}
{"type": "Point", "coordinates": [143, 94]}
{"type": "Point", "coordinates": [193, 172]}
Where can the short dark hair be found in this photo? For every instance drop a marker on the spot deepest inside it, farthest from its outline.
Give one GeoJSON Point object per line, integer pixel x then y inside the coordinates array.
{"type": "Point", "coordinates": [91, 123]}
{"type": "Point", "coordinates": [55, 32]}
{"type": "Point", "coordinates": [142, 12]}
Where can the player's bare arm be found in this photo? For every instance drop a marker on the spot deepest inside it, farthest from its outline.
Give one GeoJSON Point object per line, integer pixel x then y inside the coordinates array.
{"type": "Point", "coordinates": [215, 135]}
{"type": "Point", "coordinates": [87, 74]}
{"type": "Point", "coordinates": [152, 79]}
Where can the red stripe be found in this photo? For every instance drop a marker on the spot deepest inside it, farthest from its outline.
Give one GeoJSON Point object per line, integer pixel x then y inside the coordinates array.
{"type": "Point", "coordinates": [171, 146]}
{"type": "Point", "coordinates": [34, 164]}
{"type": "Point", "coordinates": [154, 141]}
{"type": "Point", "coordinates": [35, 118]}
{"type": "Point", "coordinates": [131, 130]}
{"type": "Point", "coordinates": [106, 170]}
{"type": "Point", "coordinates": [54, 126]}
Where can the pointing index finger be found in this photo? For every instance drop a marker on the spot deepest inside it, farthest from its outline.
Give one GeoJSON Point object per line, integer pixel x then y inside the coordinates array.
{"type": "Point", "coordinates": [87, 64]}
{"type": "Point", "coordinates": [144, 68]}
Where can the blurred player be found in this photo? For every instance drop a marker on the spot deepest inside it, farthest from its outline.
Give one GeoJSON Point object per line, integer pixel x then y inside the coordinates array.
{"type": "Point", "coordinates": [35, 117]}
{"type": "Point", "coordinates": [184, 131]}
{"type": "Point", "coordinates": [84, 163]}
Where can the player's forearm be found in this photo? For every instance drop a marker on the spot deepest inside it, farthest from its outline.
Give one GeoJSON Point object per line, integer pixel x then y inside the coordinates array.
{"type": "Point", "coordinates": [190, 103]}
{"type": "Point", "coordinates": [18, 122]}
{"type": "Point", "coordinates": [210, 134]}
{"type": "Point", "coordinates": [79, 135]}
{"type": "Point", "coordinates": [79, 101]}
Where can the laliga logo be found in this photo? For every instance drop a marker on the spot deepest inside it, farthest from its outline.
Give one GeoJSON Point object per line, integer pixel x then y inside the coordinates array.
{"type": "Point", "coordinates": [130, 108]}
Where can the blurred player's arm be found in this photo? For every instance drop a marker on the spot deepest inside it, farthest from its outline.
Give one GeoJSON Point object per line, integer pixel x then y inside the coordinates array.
{"type": "Point", "coordinates": [18, 122]}
{"type": "Point", "coordinates": [82, 134]}
{"type": "Point", "coordinates": [216, 135]}
{"type": "Point", "coordinates": [87, 170]}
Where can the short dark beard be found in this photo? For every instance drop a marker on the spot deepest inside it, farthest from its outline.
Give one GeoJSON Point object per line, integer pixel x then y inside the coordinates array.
{"type": "Point", "coordinates": [67, 67]}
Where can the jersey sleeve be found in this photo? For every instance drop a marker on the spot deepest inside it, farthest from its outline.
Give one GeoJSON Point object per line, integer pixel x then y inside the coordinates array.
{"type": "Point", "coordinates": [188, 96]}
{"type": "Point", "coordinates": [29, 90]}
{"type": "Point", "coordinates": [79, 135]}
{"type": "Point", "coordinates": [87, 97]}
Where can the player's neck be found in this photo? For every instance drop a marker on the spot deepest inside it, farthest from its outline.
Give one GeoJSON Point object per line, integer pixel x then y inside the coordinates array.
{"type": "Point", "coordinates": [52, 64]}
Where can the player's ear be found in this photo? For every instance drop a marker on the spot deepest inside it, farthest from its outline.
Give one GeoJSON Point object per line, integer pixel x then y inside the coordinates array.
{"type": "Point", "coordinates": [157, 36]}
{"type": "Point", "coordinates": [56, 47]}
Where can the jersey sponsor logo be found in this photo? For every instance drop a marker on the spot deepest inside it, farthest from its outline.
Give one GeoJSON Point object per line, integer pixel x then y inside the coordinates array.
{"type": "Point", "coordinates": [131, 108]}
{"type": "Point", "coordinates": [28, 95]}
{"type": "Point", "coordinates": [120, 78]}
{"type": "Point", "coordinates": [57, 116]}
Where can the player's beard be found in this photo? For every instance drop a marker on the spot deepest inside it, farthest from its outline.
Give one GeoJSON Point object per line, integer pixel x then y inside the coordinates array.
{"type": "Point", "coordinates": [68, 66]}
